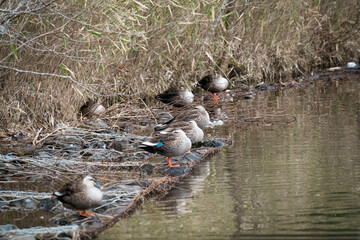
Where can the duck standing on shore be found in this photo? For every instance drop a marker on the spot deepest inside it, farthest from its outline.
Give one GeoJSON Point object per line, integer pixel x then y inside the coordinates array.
{"type": "Point", "coordinates": [214, 84]}
{"type": "Point", "coordinates": [177, 97]}
{"type": "Point", "coordinates": [169, 144]}
{"type": "Point", "coordinates": [82, 193]}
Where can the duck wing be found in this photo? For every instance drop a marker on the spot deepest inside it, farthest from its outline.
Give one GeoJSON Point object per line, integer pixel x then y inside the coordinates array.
{"type": "Point", "coordinates": [168, 96]}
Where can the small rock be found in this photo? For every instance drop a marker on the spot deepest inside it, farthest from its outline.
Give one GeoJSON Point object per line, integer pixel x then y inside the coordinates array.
{"type": "Point", "coordinates": [16, 203]}
{"type": "Point", "coordinates": [214, 143]}
{"type": "Point", "coordinates": [264, 87]}
{"type": "Point", "coordinates": [249, 95]}
{"type": "Point", "coordinates": [116, 145]}
{"type": "Point", "coordinates": [64, 235]}
{"type": "Point", "coordinates": [313, 77]}
{"type": "Point", "coordinates": [127, 128]}
{"type": "Point", "coordinates": [173, 172]}
{"type": "Point", "coordinates": [48, 204]}
{"type": "Point", "coordinates": [19, 137]}
{"type": "Point", "coordinates": [217, 123]}
{"type": "Point", "coordinates": [29, 203]}
{"type": "Point", "coordinates": [193, 156]}
{"type": "Point", "coordinates": [146, 169]}
{"type": "Point", "coordinates": [97, 124]}
{"type": "Point", "coordinates": [69, 140]}
{"type": "Point", "coordinates": [351, 65]}
{"type": "Point", "coordinates": [6, 228]}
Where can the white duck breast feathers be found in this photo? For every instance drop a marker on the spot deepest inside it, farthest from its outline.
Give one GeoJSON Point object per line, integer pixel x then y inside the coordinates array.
{"type": "Point", "coordinates": [214, 84]}
{"type": "Point", "coordinates": [221, 83]}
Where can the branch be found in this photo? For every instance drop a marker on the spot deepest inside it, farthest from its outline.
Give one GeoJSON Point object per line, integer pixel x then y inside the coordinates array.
{"type": "Point", "coordinates": [92, 26]}
{"type": "Point", "coordinates": [29, 11]}
{"type": "Point", "coordinates": [19, 36]}
{"type": "Point", "coordinates": [224, 5]}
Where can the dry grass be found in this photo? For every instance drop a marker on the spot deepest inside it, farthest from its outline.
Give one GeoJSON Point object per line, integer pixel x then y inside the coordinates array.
{"type": "Point", "coordinates": [122, 51]}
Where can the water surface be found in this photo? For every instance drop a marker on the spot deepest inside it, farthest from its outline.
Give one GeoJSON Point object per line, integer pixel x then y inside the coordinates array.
{"type": "Point", "coordinates": [278, 181]}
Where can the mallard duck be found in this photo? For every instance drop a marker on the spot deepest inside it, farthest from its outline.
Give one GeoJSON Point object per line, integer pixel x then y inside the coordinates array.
{"type": "Point", "coordinates": [177, 97]}
{"type": "Point", "coordinates": [197, 113]}
{"type": "Point", "coordinates": [214, 84]}
{"type": "Point", "coordinates": [82, 193]}
{"type": "Point", "coordinates": [190, 128]}
{"type": "Point", "coordinates": [169, 144]}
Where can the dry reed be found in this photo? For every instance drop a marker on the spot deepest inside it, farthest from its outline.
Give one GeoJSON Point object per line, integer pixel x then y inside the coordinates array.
{"type": "Point", "coordinates": [121, 52]}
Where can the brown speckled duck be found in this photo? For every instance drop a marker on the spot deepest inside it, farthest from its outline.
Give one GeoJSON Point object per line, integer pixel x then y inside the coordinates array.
{"type": "Point", "coordinates": [169, 144]}
{"type": "Point", "coordinates": [190, 128]}
{"type": "Point", "coordinates": [82, 193]}
{"type": "Point", "coordinates": [197, 113]}
{"type": "Point", "coordinates": [177, 97]}
{"type": "Point", "coordinates": [214, 84]}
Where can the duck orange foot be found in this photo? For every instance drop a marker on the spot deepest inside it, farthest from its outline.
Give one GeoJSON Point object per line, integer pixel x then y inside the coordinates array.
{"type": "Point", "coordinates": [85, 214]}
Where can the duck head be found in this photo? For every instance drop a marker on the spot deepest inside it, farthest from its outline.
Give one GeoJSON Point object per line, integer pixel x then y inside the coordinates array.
{"type": "Point", "coordinates": [90, 182]}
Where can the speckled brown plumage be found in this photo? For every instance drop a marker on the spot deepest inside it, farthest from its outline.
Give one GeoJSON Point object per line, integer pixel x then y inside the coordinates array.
{"type": "Point", "coordinates": [198, 114]}
{"type": "Point", "coordinates": [170, 144]}
{"type": "Point", "coordinates": [190, 128]}
{"type": "Point", "coordinates": [82, 193]}
{"type": "Point", "coordinates": [177, 97]}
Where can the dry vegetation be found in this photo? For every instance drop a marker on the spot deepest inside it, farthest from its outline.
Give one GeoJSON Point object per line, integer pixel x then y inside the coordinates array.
{"type": "Point", "coordinates": [56, 55]}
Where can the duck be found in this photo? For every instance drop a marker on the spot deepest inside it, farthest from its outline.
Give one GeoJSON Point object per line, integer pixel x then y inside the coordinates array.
{"type": "Point", "coordinates": [214, 84]}
{"type": "Point", "coordinates": [170, 144]}
{"type": "Point", "coordinates": [190, 127]}
{"type": "Point", "coordinates": [82, 193]}
{"type": "Point", "coordinates": [197, 113]}
{"type": "Point", "coordinates": [177, 97]}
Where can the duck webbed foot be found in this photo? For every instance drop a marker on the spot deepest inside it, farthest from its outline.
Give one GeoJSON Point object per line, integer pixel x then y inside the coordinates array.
{"type": "Point", "coordinates": [170, 165]}
{"type": "Point", "coordinates": [85, 214]}
{"type": "Point", "coordinates": [215, 97]}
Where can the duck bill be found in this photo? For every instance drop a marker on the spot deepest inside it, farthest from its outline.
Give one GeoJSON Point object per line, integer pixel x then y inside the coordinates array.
{"type": "Point", "coordinates": [99, 186]}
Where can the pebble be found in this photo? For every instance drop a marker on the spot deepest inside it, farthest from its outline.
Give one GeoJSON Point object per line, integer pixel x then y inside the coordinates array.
{"type": "Point", "coordinates": [29, 203]}
{"type": "Point", "coordinates": [6, 228]}
{"type": "Point", "coordinates": [48, 204]}
{"type": "Point", "coordinates": [216, 123]}
{"type": "Point", "coordinates": [351, 65]}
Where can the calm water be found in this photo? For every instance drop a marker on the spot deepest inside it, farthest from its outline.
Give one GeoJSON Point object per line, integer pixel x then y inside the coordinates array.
{"type": "Point", "coordinates": [281, 181]}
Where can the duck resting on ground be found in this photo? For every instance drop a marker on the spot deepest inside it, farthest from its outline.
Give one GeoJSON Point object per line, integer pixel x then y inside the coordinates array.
{"type": "Point", "coordinates": [190, 127]}
{"type": "Point", "coordinates": [169, 144]}
{"type": "Point", "coordinates": [197, 113]}
{"type": "Point", "coordinates": [82, 193]}
{"type": "Point", "coordinates": [214, 84]}
{"type": "Point", "coordinates": [177, 97]}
